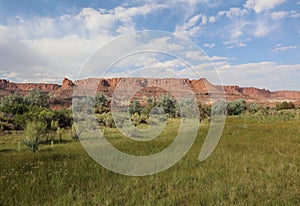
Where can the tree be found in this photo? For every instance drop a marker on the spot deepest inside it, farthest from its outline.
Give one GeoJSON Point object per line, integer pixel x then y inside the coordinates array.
{"type": "Point", "coordinates": [168, 104]}
{"type": "Point", "coordinates": [135, 107]}
{"type": "Point", "coordinates": [13, 104]}
{"type": "Point", "coordinates": [204, 110]}
{"type": "Point", "coordinates": [147, 108]}
{"type": "Point", "coordinates": [59, 133]}
{"type": "Point", "coordinates": [100, 100]}
{"type": "Point", "coordinates": [33, 133]}
{"type": "Point", "coordinates": [284, 105]}
{"type": "Point", "coordinates": [236, 107]}
{"type": "Point", "coordinates": [218, 108]}
{"type": "Point", "coordinates": [63, 117]}
{"type": "Point", "coordinates": [37, 98]}
{"type": "Point", "coordinates": [46, 116]}
{"type": "Point", "coordinates": [100, 103]}
{"type": "Point", "coordinates": [136, 119]}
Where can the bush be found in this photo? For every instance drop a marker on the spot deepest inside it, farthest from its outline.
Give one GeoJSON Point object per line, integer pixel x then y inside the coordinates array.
{"type": "Point", "coordinates": [37, 98]}
{"type": "Point", "coordinates": [59, 133]}
{"type": "Point", "coordinates": [253, 108]}
{"type": "Point", "coordinates": [236, 107]}
{"type": "Point", "coordinates": [33, 133]}
{"type": "Point", "coordinates": [13, 104]}
{"type": "Point", "coordinates": [144, 118]}
{"type": "Point", "coordinates": [135, 107]}
{"type": "Point", "coordinates": [74, 134]}
{"type": "Point", "coordinates": [109, 121]}
{"type": "Point", "coordinates": [169, 105]}
{"type": "Point", "coordinates": [63, 117]}
{"type": "Point", "coordinates": [136, 119]}
{"type": "Point", "coordinates": [204, 111]}
{"type": "Point", "coordinates": [219, 108]}
{"type": "Point", "coordinates": [285, 105]}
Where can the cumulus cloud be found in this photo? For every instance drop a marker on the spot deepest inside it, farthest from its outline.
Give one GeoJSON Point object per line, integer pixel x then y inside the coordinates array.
{"type": "Point", "coordinates": [209, 45]}
{"type": "Point", "coordinates": [259, 74]}
{"type": "Point", "coordinates": [279, 15]}
{"type": "Point", "coordinates": [196, 55]}
{"type": "Point", "coordinates": [283, 14]}
{"type": "Point", "coordinates": [235, 43]}
{"type": "Point", "coordinates": [261, 5]}
{"type": "Point", "coordinates": [34, 46]}
{"type": "Point", "coordinates": [232, 13]}
{"type": "Point", "coordinates": [192, 27]}
{"type": "Point", "coordinates": [263, 27]}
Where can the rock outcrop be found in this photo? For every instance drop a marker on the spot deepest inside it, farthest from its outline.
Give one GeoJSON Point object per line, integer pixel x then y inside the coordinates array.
{"type": "Point", "coordinates": [67, 84]}
{"type": "Point", "coordinates": [143, 88]}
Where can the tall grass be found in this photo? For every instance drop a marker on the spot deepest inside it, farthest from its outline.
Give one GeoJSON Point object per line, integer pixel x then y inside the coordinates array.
{"type": "Point", "coordinates": [255, 163]}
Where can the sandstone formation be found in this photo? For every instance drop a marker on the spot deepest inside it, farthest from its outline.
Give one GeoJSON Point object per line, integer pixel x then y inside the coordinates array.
{"type": "Point", "coordinates": [144, 88]}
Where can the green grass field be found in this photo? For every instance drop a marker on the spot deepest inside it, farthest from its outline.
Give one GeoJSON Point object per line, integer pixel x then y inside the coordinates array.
{"type": "Point", "coordinates": [255, 163]}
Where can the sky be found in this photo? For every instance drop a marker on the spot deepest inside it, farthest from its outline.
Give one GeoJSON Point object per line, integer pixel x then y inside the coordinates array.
{"type": "Point", "coordinates": [249, 42]}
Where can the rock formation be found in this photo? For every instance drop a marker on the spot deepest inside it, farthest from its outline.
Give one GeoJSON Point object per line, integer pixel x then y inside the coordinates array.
{"type": "Point", "coordinates": [144, 88]}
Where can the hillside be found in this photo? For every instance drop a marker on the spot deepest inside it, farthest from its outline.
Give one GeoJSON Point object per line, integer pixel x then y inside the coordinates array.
{"type": "Point", "coordinates": [61, 94]}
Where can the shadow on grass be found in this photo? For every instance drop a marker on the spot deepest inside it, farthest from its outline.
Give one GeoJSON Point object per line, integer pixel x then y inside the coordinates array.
{"type": "Point", "coordinates": [5, 151]}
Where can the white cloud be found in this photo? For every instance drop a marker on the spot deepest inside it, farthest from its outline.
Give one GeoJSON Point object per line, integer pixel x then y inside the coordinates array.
{"type": "Point", "coordinates": [283, 48]}
{"type": "Point", "coordinates": [192, 27]}
{"type": "Point", "coordinates": [88, 23]}
{"type": "Point", "coordinates": [196, 55]}
{"type": "Point", "coordinates": [279, 15]}
{"type": "Point", "coordinates": [264, 27]}
{"type": "Point", "coordinates": [294, 14]}
{"type": "Point", "coordinates": [209, 45]}
{"type": "Point", "coordinates": [193, 2]}
{"type": "Point", "coordinates": [231, 13]}
{"type": "Point", "coordinates": [58, 46]}
{"type": "Point", "coordinates": [212, 19]}
{"type": "Point", "coordinates": [217, 58]}
{"type": "Point", "coordinates": [235, 43]}
{"type": "Point", "coordinates": [235, 12]}
{"type": "Point", "coordinates": [283, 14]}
{"type": "Point", "coordinates": [237, 28]}
{"type": "Point", "coordinates": [261, 5]}
{"type": "Point", "coordinates": [258, 74]}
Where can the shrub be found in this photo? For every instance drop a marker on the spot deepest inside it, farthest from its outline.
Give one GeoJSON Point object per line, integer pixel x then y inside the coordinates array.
{"type": "Point", "coordinates": [236, 107]}
{"type": "Point", "coordinates": [219, 108]}
{"type": "Point", "coordinates": [144, 118]}
{"type": "Point", "coordinates": [33, 133]}
{"type": "Point", "coordinates": [136, 119]}
{"type": "Point", "coordinates": [13, 104]}
{"type": "Point", "coordinates": [204, 111]}
{"type": "Point", "coordinates": [37, 98]}
{"type": "Point", "coordinates": [100, 100]}
{"type": "Point", "coordinates": [285, 105]}
{"type": "Point", "coordinates": [59, 132]}
{"type": "Point", "coordinates": [135, 107]}
{"type": "Point", "coordinates": [74, 134]}
{"type": "Point", "coordinates": [168, 104]}
{"type": "Point", "coordinates": [109, 121]}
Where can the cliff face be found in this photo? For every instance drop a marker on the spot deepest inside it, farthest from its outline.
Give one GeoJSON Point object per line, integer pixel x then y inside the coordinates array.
{"type": "Point", "coordinates": [144, 88]}
{"type": "Point", "coordinates": [25, 87]}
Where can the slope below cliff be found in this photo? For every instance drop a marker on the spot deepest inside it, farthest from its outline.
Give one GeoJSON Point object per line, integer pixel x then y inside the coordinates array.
{"type": "Point", "coordinates": [202, 88]}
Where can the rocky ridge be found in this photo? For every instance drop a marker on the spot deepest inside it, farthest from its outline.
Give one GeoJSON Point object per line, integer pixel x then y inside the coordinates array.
{"type": "Point", "coordinates": [144, 88]}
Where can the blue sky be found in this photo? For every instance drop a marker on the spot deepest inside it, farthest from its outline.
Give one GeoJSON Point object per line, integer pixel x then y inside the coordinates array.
{"type": "Point", "coordinates": [250, 42]}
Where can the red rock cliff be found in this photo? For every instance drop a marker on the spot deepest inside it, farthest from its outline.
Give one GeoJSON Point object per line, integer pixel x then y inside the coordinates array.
{"type": "Point", "coordinates": [151, 87]}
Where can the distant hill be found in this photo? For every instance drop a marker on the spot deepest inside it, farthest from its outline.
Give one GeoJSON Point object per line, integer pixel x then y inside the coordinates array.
{"type": "Point", "coordinates": [203, 89]}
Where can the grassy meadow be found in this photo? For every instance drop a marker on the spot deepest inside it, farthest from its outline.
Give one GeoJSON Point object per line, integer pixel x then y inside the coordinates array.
{"type": "Point", "coordinates": [257, 162]}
